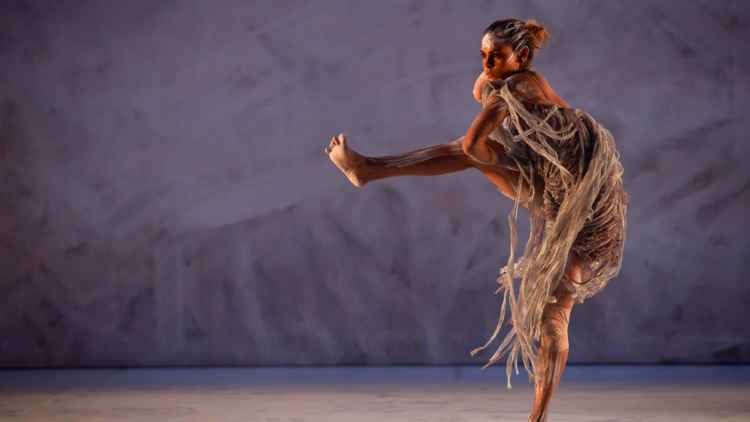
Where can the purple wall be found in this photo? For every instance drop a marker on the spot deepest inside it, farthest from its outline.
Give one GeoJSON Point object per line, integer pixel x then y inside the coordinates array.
{"type": "Point", "coordinates": [165, 198]}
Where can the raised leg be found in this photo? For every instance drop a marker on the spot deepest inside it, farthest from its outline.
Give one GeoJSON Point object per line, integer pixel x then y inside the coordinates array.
{"type": "Point", "coordinates": [432, 161]}
{"type": "Point", "coordinates": [553, 352]}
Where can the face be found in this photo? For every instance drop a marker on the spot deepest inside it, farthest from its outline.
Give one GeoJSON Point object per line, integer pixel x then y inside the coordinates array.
{"type": "Point", "coordinates": [499, 60]}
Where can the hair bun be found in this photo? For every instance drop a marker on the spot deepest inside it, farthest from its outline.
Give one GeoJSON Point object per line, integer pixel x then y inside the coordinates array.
{"type": "Point", "coordinates": [538, 33]}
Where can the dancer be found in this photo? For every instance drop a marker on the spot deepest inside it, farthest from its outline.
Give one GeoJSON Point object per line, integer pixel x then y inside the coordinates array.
{"type": "Point", "coordinates": [554, 160]}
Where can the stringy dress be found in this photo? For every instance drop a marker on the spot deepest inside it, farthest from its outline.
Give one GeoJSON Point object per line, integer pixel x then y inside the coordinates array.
{"type": "Point", "coordinates": [583, 210]}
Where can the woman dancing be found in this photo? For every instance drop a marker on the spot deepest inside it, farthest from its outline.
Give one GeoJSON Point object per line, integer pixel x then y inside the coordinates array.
{"type": "Point", "coordinates": [554, 160]}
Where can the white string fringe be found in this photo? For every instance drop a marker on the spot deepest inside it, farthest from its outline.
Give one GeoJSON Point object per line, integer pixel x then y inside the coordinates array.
{"type": "Point", "coordinates": [545, 257]}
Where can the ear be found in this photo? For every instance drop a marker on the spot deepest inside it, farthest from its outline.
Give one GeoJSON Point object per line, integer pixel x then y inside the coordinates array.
{"type": "Point", "coordinates": [523, 54]}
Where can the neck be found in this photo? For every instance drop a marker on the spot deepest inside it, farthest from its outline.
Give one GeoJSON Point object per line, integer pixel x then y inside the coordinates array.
{"type": "Point", "coordinates": [520, 70]}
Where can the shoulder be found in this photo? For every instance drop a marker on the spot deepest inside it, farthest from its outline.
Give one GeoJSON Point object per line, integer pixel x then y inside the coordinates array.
{"type": "Point", "coordinates": [528, 82]}
{"type": "Point", "coordinates": [535, 85]}
{"type": "Point", "coordinates": [526, 76]}
{"type": "Point", "coordinates": [488, 91]}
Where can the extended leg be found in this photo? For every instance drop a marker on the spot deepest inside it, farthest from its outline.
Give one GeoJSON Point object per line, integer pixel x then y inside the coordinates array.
{"type": "Point", "coordinates": [432, 161]}
{"type": "Point", "coordinates": [554, 350]}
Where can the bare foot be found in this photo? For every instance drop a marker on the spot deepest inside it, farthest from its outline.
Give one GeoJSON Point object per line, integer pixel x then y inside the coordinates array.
{"type": "Point", "coordinates": [351, 163]}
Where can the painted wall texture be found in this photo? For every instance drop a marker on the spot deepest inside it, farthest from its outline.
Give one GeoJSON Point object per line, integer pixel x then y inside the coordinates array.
{"type": "Point", "coordinates": [165, 198]}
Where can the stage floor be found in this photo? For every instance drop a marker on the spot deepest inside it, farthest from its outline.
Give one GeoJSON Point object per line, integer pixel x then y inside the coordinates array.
{"type": "Point", "coordinates": [362, 394]}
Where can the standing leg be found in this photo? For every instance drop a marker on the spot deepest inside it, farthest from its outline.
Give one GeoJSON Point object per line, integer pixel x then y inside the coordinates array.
{"type": "Point", "coordinates": [553, 352]}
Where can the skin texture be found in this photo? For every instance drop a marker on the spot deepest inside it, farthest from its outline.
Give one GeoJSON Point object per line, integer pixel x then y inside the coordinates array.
{"type": "Point", "coordinates": [501, 65]}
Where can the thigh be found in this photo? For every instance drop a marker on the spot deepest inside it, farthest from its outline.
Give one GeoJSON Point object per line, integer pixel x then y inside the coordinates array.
{"type": "Point", "coordinates": [573, 271]}
{"type": "Point", "coordinates": [507, 182]}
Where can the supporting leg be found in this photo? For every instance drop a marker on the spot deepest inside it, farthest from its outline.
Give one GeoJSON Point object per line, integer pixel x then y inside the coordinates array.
{"type": "Point", "coordinates": [551, 365]}
{"type": "Point", "coordinates": [553, 353]}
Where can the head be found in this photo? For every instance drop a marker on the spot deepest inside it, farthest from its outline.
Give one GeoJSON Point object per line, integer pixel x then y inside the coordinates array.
{"type": "Point", "coordinates": [508, 47]}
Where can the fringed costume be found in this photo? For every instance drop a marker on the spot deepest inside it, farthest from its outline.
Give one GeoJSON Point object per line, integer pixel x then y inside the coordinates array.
{"type": "Point", "coordinates": [583, 210]}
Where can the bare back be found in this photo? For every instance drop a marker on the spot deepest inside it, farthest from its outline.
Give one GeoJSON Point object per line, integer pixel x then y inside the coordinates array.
{"type": "Point", "coordinates": [535, 85]}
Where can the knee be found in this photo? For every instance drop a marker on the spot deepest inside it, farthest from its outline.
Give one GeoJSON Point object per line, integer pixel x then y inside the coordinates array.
{"type": "Point", "coordinates": [554, 328]}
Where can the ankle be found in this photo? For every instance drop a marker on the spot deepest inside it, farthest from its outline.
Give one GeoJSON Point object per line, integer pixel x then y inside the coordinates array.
{"type": "Point", "coordinates": [365, 172]}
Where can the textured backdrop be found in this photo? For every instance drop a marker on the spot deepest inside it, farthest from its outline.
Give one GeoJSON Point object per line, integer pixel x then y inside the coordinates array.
{"type": "Point", "coordinates": [165, 198]}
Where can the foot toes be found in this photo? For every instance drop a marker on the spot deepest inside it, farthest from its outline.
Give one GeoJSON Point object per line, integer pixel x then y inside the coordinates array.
{"type": "Point", "coordinates": [342, 138]}
{"type": "Point", "coordinates": [328, 150]}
